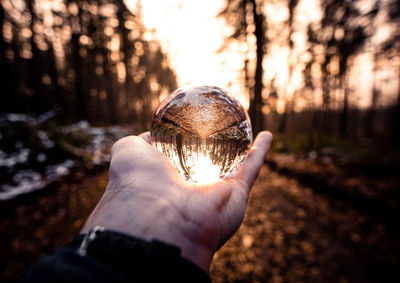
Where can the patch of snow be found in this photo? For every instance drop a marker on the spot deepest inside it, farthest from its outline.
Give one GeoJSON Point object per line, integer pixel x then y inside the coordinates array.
{"type": "Point", "coordinates": [14, 117]}
{"type": "Point", "coordinates": [61, 169]}
{"type": "Point", "coordinates": [25, 181]}
{"type": "Point", "coordinates": [14, 158]}
{"type": "Point", "coordinates": [48, 143]}
{"type": "Point", "coordinates": [46, 116]}
{"type": "Point", "coordinates": [41, 157]}
{"type": "Point", "coordinates": [82, 125]}
{"type": "Point", "coordinates": [18, 117]}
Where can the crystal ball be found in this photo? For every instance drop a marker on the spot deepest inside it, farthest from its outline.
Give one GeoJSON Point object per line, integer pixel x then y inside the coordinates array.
{"type": "Point", "coordinates": [204, 132]}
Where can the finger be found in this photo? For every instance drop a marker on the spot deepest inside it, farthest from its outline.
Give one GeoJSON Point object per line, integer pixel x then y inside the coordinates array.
{"type": "Point", "coordinates": [126, 143]}
{"type": "Point", "coordinates": [255, 159]}
{"type": "Point", "coordinates": [146, 136]}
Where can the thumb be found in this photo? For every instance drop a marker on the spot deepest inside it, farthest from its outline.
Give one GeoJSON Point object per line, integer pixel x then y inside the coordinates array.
{"type": "Point", "coordinates": [255, 159]}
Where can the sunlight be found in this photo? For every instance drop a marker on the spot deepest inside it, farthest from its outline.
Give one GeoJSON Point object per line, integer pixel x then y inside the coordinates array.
{"type": "Point", "coordinates": [204, 171]}
{"type": "Point", "coordinates": [191, 35]}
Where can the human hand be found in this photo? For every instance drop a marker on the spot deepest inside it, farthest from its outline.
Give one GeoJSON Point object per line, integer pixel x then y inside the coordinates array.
{"type": "Point", "coordinates": [147, 197]}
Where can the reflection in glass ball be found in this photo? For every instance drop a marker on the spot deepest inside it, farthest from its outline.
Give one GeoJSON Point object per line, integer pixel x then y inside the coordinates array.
{"type": "Point", "coordinates": [203, 131]}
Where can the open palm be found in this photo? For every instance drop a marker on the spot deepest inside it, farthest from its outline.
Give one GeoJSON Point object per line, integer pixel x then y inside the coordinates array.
{"type": "Point", "coordinates": [146, 197]}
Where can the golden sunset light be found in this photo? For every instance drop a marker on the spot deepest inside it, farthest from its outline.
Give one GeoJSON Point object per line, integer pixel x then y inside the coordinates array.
{"type": "Point", "coordinates": [116, 96]}
{"type": "Point", "coordinates": [191, 34]}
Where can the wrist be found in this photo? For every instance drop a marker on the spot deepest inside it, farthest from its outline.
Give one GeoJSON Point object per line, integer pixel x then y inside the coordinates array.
{"type": "Point", "coordinates": [150, 259]}
{"type": "Point", "coordinates": [197, 255]}
{"type": "Point", "coordinates": [162, 223]}
{"type": "Point", "coordinates": [190, 251]}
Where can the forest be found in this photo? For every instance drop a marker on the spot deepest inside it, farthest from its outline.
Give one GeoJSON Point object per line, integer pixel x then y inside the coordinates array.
{"type": "Point", "coordinates": [319, 80]}
{"type": "Point", "coordinates": [88, 60]}
{"type": "Point", "coordinates": [65, 54]}
{"type": "Point", "coordinates": [322, 75]}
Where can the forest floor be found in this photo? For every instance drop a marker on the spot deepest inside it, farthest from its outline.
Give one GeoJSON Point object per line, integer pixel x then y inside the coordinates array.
{"type": "Point", "coordinates": [304, 223]}
{"type": "Point", "coordinates": [302, 228]}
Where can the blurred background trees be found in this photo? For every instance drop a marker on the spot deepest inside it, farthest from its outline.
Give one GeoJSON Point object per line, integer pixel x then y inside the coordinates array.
{"type": "Point", "coordinates": [313, 68]}
{"type": "Point", "coordinates": [88, 59]}
{"type": "Point", "coordinates": [249, 19]}
{"type": "Point", "coordinates": [331, 67]}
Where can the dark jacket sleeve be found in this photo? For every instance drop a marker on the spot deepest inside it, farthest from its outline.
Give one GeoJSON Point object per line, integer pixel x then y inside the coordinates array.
{"type": "Point", "coordinates": [116, 257]}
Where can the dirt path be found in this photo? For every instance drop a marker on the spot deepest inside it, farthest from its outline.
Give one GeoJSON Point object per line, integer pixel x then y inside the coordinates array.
{"type": "Point", "coordinates": [291, 233]}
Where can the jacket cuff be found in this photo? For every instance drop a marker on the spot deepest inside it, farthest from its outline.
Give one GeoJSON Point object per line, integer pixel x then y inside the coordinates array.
{"type": "Point", "coordinates": [137, 259]}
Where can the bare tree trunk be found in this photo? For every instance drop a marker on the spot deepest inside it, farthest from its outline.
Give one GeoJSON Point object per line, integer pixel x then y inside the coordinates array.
{"type": "Point", "coordinates": [81, 99]}
{"type": "Point", "coordinates": [77, 65]}
{"type": "Point", "coordinates": [283, 122]}
{"type": "Point", "coordinates": [370, 115]}
{"type": "Point", "coordinates": [397, 121]}
{"type": "Point", "coordinates": [314, 126]}
{"type": "Point", "coordinates": [246, 60]}
{"type": "Point", "coordinates": [57, 90]}
{"type": "Point", "coordinates": [256, 102]}
{"type": "Point", "coordinates": [345, 109]}
{"type": "Point", "coordinates": [326, 97]}
{"type": "Point", "coordinates": [6, 85]}
{"type": "Point", "coordinates": [247, 77]}
{"type": "Point", "coordinates": [35, 70]}
{"type": "Point", "coordinates": [127, 49]}
{"type": "Point", "coordinates": [111, 102]}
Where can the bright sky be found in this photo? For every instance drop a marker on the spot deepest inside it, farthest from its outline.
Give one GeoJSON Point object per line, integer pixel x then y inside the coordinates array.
{"type": "Point", "coordinates": [191, 34]}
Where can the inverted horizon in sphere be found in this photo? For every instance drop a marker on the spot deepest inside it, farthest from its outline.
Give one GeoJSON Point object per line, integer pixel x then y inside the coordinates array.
{"type": "Point", "coordinates": [204, 132]}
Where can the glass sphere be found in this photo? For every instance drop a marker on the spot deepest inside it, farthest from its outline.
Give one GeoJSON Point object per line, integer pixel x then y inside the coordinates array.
{"type": "Point", "coordinates": [204, 132]}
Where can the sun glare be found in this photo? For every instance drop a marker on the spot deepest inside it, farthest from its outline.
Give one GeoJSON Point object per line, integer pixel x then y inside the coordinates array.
{"type": "Point", "coordinates": [191, 34]}
{"type": "Point", "coordinates": [204, 171]}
